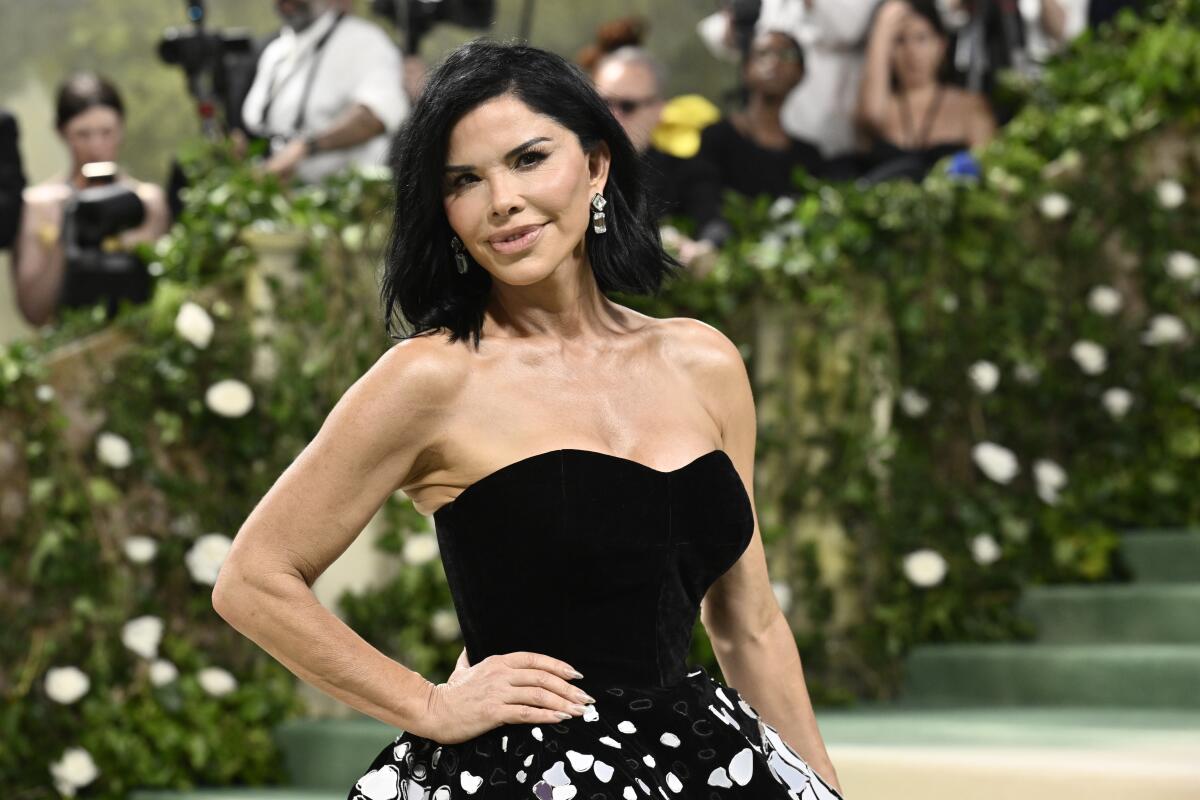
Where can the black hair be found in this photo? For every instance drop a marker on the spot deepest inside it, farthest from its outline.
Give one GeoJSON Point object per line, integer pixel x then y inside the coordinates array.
{"type": "Point", "coordinates": [82, 91]}
{"type": "Point", "coordinates": [420, 282]}
{"type": "Point", "coordinates": [928, 11]}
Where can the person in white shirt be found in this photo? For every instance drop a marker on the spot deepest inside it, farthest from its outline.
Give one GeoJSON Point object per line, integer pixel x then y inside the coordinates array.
{"type": "Point", "coordinates": [327, 92]}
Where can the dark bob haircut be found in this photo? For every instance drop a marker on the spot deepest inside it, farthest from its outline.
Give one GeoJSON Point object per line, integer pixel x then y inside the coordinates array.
{"type": "Point", "coordinates": [420, 283]}
{"type": "Point", "coordinates": [82, 91]}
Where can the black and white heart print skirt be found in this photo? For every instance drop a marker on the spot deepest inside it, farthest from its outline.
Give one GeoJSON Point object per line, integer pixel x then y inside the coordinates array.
{"type": "Point", "coordinates": [697, 740]}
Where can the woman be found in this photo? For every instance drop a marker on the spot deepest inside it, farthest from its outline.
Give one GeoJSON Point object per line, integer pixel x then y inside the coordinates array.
{"type": "Point", "coordinates": [90, 119]}
{"type": "Point", "coordinates": [588, 470]}
{"type": "Point", "coordinates": [911, 116]}
{"type": "Point", "coordinates": [750, 149]}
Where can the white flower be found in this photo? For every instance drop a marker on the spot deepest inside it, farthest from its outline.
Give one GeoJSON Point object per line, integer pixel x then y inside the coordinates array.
{"type": "Point", "coordinates": [984, 376]}
{"type": "Point", "coordinates": [73, 771]}
{"type": "Point", "coordinates": [1164, 329]}
{"type": "Point", "coordinates": [205, 557]}
{"type": "Point", "coordinates": [1050, 479]}
{"type": "Point", "coordinates": [216, 681]}
{"type": "Point", "coordinates": [1054, 205]}
{"type": "Point", "coordinates": [162, 672]}
{"type": "Point", "coordinates": [985, 549]}
{"type": "Point", "coordinates": [1025, 373]}
{"type": "Point", "coordinates": [924, 568]}
{"type": "Point", "coordinates": [142, 635]}
{"type": "Point", "coordinates": [1090, 357]}
{"type": "Point", "coordinates": [44, 393]}
{"type": "Point", "coordinates": [1170, 193]}
{"type": "Point", "coordinates": [1182, 265]}
{"type": "Point", "coordinates": [229, 398]}
{"type": "Point", "coordinates": [113, 450]}
{"type": "Point", "coordinates": [194, 324]}
{"type": "Point", "coordinates": [783, 595]}
{"type": "Point", "coordinates": [444, 624]}
{"type": "Point", "coordinates": [997, 462]}
{"type": "Point", "coordinates": [1105, 300]}
{"type": "Point", "coordinates": [913, 403]}
{"type": "Point", "coordinates": [140, 549]}
{"type": "Point", "coordinates": [782, 207]}
{"type": "Point", "coordinates": [66, 684]}
{"type": "Point", "coordinates": [420, 548]}
{"type": "Point", "coordinates": [1117, 401]}
{"type": "Point", "coordinates": [265, 366]}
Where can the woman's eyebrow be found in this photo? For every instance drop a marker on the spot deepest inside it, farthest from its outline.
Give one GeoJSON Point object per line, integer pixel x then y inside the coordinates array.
{"type": "Point", "coordinates": [510, 154]}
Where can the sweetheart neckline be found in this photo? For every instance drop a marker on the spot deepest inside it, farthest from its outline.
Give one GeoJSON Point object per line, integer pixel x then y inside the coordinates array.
{"type": "Point", "coordinates": [564, 450]}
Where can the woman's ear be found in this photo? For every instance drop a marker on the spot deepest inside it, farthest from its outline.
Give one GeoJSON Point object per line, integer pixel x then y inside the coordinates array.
{"type": "Point", "coordinates": [599, 160]}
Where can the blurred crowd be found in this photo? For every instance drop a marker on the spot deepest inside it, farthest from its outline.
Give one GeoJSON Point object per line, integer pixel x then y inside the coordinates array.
{"type": "Point", "coordinates": [862, 90]}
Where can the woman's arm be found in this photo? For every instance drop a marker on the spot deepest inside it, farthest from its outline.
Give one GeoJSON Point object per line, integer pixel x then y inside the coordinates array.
{"type": "Point", "coordinates": [751, 637]}
{"type": "Point", "coordinates": [365, 450]}
{"type": "Point", "coordinates": [37, 265]}
{"type": "Point", "coordinates": [875, 90]}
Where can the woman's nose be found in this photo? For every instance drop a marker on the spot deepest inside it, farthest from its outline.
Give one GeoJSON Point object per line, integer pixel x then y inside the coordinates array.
{"type": "Point", "coordinates": [506, 199]}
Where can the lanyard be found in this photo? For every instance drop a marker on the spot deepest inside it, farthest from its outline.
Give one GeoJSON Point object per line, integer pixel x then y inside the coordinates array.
{"type": "Point", "coordinates": [274, 88]}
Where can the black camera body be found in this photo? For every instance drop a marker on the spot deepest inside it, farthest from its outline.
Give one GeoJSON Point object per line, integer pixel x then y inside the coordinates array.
{"type": "Point", "coordinates": [416, 17]}
{"type": "Point", "coordinates": [95, 273]}
{"type": "Point", "coordinates": [217, 64]}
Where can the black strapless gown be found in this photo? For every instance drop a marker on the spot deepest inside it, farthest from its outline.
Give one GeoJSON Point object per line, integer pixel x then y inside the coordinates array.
{"type": "Point", "coordinates": [600, 561]}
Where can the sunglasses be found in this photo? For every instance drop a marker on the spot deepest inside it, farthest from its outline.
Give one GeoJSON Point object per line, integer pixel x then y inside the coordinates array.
{"type": "Point", "coordinates": [787, 55]}
{"type": "Point", "coordinates": [626, 106]}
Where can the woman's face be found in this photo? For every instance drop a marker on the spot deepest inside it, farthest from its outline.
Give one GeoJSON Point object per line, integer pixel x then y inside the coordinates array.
{"type": "Point", "coordinates": [93, 135]}
{"type": "Point", "coordinates": [773, 67]}
{"type": "Point", "coordinates": [918, 51]}
{"type": "Point", "coordinates": [517, 190]}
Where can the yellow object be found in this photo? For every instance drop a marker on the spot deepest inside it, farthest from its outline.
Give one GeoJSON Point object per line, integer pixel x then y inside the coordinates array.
{"type": "Point", "coordinates": [683, 117]}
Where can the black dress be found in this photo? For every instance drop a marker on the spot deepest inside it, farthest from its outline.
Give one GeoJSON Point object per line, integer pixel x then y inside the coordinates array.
{"type": "Point", "coordinates": [600, 561]}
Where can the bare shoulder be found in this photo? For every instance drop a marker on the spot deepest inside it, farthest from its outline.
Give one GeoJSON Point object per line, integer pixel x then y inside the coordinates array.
{"type": "Point", "coordinates": [700, 348]}
{"type": "Point", "coordinates": [404, 395]}
{"type": "Point", "coordinates": [714, 367]}
{"type": "Point", "coordinates": [150, 192]}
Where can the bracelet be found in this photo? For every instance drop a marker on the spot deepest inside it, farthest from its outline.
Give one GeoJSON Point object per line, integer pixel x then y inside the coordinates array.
{"type": "Point", "coordinates": [310, 144]}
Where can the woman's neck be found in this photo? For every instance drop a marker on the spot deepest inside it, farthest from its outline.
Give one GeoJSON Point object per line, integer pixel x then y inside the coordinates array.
{"type": "Point", "coordinates": [763, 120]}
{"type": "Point", "coordinates": [918, 92]}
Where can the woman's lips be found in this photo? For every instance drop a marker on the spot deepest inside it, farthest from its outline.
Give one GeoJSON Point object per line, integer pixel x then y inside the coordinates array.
{"type": "Point", "coordinates": [525, 240]}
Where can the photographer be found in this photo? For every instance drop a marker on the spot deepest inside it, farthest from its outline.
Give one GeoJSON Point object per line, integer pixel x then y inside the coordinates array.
{"type": "Point", "coordinates": [326, 92]}
{"type": "Point", "coordinates": [89, 118]}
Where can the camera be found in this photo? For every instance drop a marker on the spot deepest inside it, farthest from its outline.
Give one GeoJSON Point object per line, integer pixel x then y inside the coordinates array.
{"type": "Point", "coordinates": [95, 270]}
{"type": "Point", "coordinates": [416, 17]}
{"type": "Point", "coordinates": [218, 65]}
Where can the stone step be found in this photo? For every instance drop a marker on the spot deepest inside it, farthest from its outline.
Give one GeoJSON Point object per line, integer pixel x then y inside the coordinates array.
{"type": "Point", "coordinates": [935, 754]}
{"type": "Point", "coordinates": [1140, 676]}
{"type": "Point", "coordinates": [1156, 555]}
{"type": "Point", "coordinates": [1099, 613]}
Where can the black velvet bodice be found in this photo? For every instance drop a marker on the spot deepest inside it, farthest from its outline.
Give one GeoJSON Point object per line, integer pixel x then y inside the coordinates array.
{"type": "Point", "coordinates": [593, 558]}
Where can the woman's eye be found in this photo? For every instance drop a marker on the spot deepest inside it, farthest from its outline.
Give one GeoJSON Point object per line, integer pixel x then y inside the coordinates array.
{"type": "Point", "coordinates": [529, 158]}
{"type": "Point", "coordinates": [462, 180]}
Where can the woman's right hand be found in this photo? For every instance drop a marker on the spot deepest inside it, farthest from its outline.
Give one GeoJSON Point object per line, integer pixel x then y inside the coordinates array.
{"type": "Point", "coordinates": [519, 687]}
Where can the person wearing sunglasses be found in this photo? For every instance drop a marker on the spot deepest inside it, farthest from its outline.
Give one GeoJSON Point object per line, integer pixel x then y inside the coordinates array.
{"type": "Point", "coordinates": [631, 81]}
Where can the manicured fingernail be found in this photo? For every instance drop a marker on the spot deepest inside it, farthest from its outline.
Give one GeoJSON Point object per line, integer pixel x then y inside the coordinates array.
{"type": "Point", "coordinates": [576, 674]}
{"type": "Point", "coordinates": [562, 715]}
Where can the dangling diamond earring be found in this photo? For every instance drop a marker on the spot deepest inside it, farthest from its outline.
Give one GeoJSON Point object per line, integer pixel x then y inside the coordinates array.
{"type": "Point", "coordinates": [598, 204]}
{"type": "Point", "coordinates": [460, 256]}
